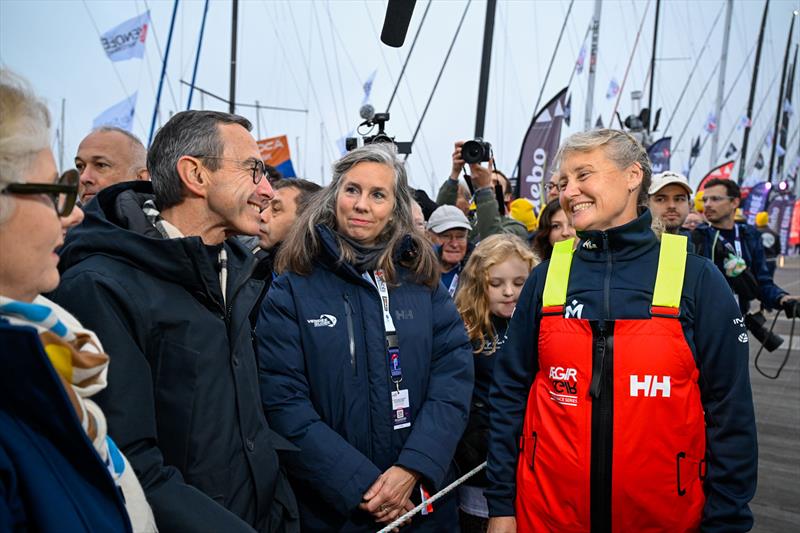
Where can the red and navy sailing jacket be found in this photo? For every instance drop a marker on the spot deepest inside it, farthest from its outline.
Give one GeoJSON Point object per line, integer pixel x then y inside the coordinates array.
{"type": "Point", "coordinates": [611, 282]}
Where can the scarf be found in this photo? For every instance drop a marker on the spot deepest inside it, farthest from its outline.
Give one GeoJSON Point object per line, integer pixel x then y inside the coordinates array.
{"type": "Point", "coordinates": [365, 257]}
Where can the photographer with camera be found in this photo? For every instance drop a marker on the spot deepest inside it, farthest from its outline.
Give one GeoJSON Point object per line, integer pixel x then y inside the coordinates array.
{"type": "Point", "coordinates": [737, 251]}
{"type": "Point", "coordinates": [491, 191]}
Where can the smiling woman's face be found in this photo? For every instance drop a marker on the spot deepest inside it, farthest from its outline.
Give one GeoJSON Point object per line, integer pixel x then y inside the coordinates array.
{"type": "Point", "coordinates": [595, 192]}
{"type": "Point", "coordinates": [30, 237]}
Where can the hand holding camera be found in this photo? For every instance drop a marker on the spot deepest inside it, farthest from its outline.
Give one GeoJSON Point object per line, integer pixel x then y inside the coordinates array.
{"type": "Point", "coordinates": [458, 161]}
{"type": "Point", "coordinates": [790, 306]}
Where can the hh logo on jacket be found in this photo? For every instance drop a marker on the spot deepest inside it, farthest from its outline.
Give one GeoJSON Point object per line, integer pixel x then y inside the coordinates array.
{"type": "Point", "coordinates": [650, 386]}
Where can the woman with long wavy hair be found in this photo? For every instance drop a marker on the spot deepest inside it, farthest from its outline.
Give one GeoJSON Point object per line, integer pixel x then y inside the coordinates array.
{"type": "Point", "coordinates": [364, 363]}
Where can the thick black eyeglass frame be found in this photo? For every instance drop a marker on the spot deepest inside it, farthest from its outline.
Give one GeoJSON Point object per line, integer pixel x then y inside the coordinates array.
{"type": "Point", "coordinates": [259, 169]}
{"type": "Point", "coordinates": [67, 184]}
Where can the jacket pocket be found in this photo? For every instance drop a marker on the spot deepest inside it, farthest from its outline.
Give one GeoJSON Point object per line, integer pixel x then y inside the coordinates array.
{"type": "Point", "coordinates": [348, 313]}
{"type": "Point", "coordinates": [687, 471]}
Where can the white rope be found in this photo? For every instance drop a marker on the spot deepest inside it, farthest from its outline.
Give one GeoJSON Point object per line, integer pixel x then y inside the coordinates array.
{"type": "Point", "coordinates": [433, 498]}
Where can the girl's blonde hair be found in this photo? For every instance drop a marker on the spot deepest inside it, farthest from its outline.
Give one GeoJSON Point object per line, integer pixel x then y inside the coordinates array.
{"type": "Point", "coordinates": [471, 299]}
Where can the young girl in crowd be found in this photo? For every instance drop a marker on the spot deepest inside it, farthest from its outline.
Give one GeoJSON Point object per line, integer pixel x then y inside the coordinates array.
{"type": "Point", "coordinates": [490, 286]}
{"type": "Point", "coordinates": [554, 226]}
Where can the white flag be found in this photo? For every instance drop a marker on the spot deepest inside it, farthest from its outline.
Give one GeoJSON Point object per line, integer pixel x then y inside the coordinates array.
{"type": "Point", "coordinates": [127, 39]}
{"type": "Point", "coordinates": [119, 115]}
{"type": "Point", "coordinates": [368, 87]}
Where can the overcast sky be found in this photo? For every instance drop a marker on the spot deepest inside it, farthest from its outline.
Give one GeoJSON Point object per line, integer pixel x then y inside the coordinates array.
{"type": "Point", "coordinates": [315, 55]}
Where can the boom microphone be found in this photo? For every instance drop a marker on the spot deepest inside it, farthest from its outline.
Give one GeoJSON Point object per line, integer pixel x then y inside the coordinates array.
{"type": "Point", "coordinates": [395, 24]}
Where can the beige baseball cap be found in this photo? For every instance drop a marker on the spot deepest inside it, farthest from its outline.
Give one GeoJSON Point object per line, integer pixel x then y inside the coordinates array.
{"type": "Point", "coordinates": [663, 179]}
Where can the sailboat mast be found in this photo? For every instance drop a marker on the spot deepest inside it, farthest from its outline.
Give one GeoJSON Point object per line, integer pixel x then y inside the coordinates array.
{"type": "Point", "coordinates": [234, 20]}
{"type": "Point", "coordinates": [61, 137]}
{"type": "Point", "coordinates": [163, 73]}
{"type": "Point", "coordinates": [653, 67]}
{"type": "Point", "coordinates": [486, 61]}
{"type": "Point", "coordinates": [723, 62]}
{"type": "Point", "coordinates": [749, 114]}
{"type": "Point", "coordinates": [587, 119]}
{"type": "Point", "coordinates": [779, 112]}
{"type": "Point", "coordinates": [786, 114]}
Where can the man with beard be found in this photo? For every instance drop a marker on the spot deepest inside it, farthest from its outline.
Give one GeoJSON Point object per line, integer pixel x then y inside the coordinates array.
{"type": "Point", "coordinates": [736, 249]}
{"type": "Point", "coordinates": [669, 197]}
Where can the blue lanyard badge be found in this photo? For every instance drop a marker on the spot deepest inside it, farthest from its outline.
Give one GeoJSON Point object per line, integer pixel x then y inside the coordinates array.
{"type": "Point", "coordinates": [401, 406]}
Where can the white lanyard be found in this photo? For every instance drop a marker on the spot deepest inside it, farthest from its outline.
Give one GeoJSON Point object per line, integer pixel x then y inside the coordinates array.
{"type": "Point", "coordinates": [737, 243]}
{"type": "Point", "coordinates": [453, 285]}
{"type": "Point", "coordinates": [380, 284]}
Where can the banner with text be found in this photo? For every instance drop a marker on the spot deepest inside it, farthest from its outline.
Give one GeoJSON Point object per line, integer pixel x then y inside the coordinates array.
{"type": "Point", "coordinates": [126, 40]}
{"type": "Point", "coordinates": [275, 152]}
{"type": "Point", "coordinates": [539, 148]}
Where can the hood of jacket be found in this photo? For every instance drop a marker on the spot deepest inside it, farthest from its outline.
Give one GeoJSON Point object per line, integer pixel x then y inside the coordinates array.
{"type": "Point", "coordinates": [115, 226]}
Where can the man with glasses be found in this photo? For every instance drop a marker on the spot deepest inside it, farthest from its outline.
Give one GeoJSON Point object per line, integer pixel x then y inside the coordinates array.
{"type": "Point", "coordinates": [736, 249]}
{"type": "Point", "coordinates": [449, 231]}
{"type": "Point", "coordinates": [153, 271]}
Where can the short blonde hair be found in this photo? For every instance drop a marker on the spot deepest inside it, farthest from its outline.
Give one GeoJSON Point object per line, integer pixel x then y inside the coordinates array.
{"type": "Point", "coordinates": [620, 147]}
{"type": "Point", "coordinates": [471, 299]}
{"type": "Point", "coordinates": [24, 132]}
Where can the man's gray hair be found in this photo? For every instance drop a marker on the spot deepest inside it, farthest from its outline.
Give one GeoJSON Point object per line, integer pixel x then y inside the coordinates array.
{"type": "Point", "coordinates": [188, 133]}
{"type": "Point", "coordinates": [620, 147]}
{"type": "Point", "coordinates": [24, 132]}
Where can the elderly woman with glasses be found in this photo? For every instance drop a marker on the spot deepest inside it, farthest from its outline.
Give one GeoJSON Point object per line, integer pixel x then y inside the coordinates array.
{"type": "Point", "coordinates": [59, 470]}
{"type": "Point", "coordinates": [621, 399]}
{"type": "Point", "coordinates": [363, 359]}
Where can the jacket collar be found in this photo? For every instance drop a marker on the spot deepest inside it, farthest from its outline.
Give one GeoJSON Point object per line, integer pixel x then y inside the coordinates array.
{"type": "Point", "coordinates": [628, 241]}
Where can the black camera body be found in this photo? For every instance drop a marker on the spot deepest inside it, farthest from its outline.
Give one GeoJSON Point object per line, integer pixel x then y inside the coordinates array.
{"type": "Point", "coordinates": [476, 151]}
{"type": "Point", "coordinates": [756, 324]}
{"type": "Point", "coordinates": [380, 120]}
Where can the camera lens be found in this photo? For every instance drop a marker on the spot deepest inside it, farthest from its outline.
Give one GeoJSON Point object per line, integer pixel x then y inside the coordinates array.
{"type": "Point", "coordinates": [756, 324]}
{"type": "Point", "coordinates": [476, 151]}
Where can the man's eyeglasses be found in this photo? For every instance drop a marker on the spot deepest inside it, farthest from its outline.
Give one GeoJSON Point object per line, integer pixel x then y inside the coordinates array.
{"type": "Point", "coordinates": [716, 199]}
{"type": "Point", "coordinates": [550, 187]}
{"type": "Point", "coordinates": [256, 166]}
{"type": "Point", "coordinates": [62, 193]}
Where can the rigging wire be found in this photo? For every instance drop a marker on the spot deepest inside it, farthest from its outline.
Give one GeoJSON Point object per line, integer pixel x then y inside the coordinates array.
{"type": "Point", "coordinates": [338, 112]}
{"type": "Point", "coordinates": [553, 57]}
{"type": "Point", "coordinates": [408, 56]}
{"type": "Point", "coordinates": [697, 104]}
{"type": "Point", "coordinates": [331, 25]}
{"type": "Point", "coordinates": [376, 34]}
{"type": "Point", "coordinates": [630, 60]}
{"type": "Point", "coordinates": [691, 74]}
{"type": "Point", "coordinates": [308, 74]}
{"type": "Point", "coordinates": [441, 71]}
{"type": "Point", "coordinates": [161, 56]}
{"type": "Point", "coordinates": [113, 65]}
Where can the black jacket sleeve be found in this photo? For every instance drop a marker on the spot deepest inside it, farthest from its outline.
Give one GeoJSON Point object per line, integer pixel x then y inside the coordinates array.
{"type": "Point", "coordinates": [722, 348]}
{"type": "Point", "coordinates": [103, 305]}
{"type": "Point", "coordinates": [514, 369]}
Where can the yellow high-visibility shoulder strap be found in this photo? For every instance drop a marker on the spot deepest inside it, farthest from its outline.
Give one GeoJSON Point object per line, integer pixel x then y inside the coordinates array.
{"type": "Point", "coordinates": [671, 268]}
{"type": "Point", "coordinates": [555, 285]}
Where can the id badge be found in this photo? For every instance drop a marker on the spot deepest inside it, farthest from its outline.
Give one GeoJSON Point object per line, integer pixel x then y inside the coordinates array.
{"type": "Point", "coordinates": [401, 409]}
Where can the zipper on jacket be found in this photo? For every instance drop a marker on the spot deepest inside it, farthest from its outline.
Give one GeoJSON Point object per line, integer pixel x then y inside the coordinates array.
{"type": "Point", "coordinates": [348, 313]}
{"type": "Point", "coordinates": [602, 391]}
